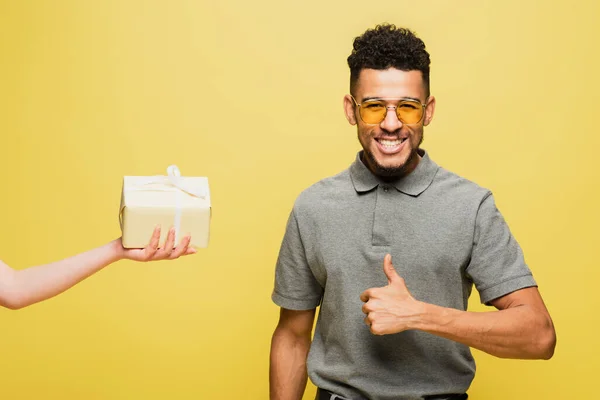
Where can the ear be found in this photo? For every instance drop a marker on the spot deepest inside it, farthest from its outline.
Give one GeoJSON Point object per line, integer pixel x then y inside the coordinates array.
{"type": "Point", "coordinates": [429, 110]}
{"type": "Point", "coordinates": [349, 108]}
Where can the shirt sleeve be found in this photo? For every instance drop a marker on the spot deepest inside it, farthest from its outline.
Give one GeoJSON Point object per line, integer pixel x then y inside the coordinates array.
{"type": "Point", "coordinates": [497, 266]}
{"type": "Point", "coordinates": [295, 285]}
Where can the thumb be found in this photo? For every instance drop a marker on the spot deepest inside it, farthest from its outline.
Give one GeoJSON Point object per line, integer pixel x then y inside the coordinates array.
{"type": "Point", "coordinates": [389, 269]}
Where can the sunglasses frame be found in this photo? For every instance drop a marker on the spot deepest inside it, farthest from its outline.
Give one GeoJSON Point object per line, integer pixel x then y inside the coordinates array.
{"type": "Point", "coordinates": [424, 105]}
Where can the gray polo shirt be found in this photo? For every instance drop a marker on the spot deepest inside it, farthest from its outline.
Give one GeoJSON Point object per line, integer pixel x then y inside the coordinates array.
{"type": "Point", "coordinates": [444, 234]}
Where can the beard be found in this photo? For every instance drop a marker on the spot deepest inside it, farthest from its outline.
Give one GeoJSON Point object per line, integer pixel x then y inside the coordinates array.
{"type": "Point", "coordinates": [391, 172]}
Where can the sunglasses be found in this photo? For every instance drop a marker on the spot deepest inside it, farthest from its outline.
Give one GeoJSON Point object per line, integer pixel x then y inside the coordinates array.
{"type": "Point", "coordinates": [373, 112]}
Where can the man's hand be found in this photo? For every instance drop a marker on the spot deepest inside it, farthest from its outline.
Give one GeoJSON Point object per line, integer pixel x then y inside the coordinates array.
{"type": "Point", "coordinates": [390, 309]}
{"type": "Point", "coordinates": [154, 253]}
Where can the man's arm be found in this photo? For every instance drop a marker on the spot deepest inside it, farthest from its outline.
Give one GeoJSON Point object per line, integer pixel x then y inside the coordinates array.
{"type": "Point", "coordinates": [289, 349]}
{"type": "Point", "coordinates": [522, 328]}
{"type": "Point", "coordinates": [21, 288]}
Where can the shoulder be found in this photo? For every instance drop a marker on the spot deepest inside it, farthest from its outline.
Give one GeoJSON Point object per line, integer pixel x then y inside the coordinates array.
{"type": "Point", "coordinates": [323, 192]}
{"type": "Point", "coordinates": [457, 187]}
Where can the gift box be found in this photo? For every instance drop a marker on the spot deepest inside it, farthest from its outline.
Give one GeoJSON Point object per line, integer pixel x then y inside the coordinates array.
{"type": "Point", "coordinates": [168, 201]}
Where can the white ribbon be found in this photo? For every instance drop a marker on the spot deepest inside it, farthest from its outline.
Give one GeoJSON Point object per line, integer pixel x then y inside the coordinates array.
{"type": "Point", "coordinates": [174, 179]}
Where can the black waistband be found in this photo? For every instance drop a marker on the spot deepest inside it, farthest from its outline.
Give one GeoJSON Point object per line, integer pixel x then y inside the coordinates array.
{"type": "Point", "coordinates": [323, 394]}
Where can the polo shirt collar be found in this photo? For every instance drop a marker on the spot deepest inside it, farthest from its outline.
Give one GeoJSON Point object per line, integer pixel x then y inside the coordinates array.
{"type": "Point", "coordinates": [413, 184]}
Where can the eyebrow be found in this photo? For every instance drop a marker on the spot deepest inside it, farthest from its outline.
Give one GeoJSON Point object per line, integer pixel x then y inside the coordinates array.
{"type": "Point", "coordinates": [391, 98]}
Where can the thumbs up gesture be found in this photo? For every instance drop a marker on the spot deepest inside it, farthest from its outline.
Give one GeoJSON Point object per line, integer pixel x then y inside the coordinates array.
{"type": "Point", "coordinates": [391, 309]}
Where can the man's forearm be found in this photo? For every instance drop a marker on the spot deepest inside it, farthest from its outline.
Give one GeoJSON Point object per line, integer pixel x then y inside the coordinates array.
{"type": "Point", "coordinates": [287, 375]}
{"type": "Point", "coordinates": [517, 332]}
{"type": "Point", "coordinates": [35, 284]}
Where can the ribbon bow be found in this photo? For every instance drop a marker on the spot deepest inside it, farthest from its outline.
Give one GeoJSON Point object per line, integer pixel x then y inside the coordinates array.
{"type": "Point", "coordinates": [174, 176]}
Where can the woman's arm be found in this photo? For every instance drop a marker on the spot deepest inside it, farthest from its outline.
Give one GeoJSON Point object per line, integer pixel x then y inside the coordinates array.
{"type": "Point", "coordinates": [21, 288]}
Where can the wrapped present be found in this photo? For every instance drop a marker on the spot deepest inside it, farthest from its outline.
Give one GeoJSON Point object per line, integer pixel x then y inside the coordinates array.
{"type": "Point", "coordinates": [168, 201]}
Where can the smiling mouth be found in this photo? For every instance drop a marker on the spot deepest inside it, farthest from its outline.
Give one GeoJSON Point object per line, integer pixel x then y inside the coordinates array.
{"type": "Point", "coordinates": [391, 143]}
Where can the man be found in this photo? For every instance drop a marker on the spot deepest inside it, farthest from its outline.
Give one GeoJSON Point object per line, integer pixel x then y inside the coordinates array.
{"type": "Point", "coordinates": [403, 333]}
{"type": "Point", "coordinates": [21, 288]}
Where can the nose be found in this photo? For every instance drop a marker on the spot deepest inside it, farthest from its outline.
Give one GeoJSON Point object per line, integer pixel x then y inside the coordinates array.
{"type": "Point", "coordinates": [391, 123]}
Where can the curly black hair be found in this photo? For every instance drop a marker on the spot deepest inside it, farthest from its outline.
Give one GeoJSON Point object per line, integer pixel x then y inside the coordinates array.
{"type": "Point", "coordinates": [387, 46]}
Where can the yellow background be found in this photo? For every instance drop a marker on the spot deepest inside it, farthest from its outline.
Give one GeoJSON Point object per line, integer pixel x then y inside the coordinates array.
{"type": "Point", "coordinates": [250, 95]}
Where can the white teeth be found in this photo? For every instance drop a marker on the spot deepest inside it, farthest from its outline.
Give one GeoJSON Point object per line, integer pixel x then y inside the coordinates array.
{"type": "Point", "coordinates": [391, 143]}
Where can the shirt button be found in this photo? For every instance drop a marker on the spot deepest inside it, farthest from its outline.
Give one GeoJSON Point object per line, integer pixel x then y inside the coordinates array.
{"type": "Point", "coordinates": [386, 188]}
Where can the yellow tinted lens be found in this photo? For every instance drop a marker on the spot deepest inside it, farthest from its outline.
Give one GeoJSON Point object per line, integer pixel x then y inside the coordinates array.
{"type": "Point", "coordinates": [409, 112]}
{"type": "Point", "coordinates": [372, 112]}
